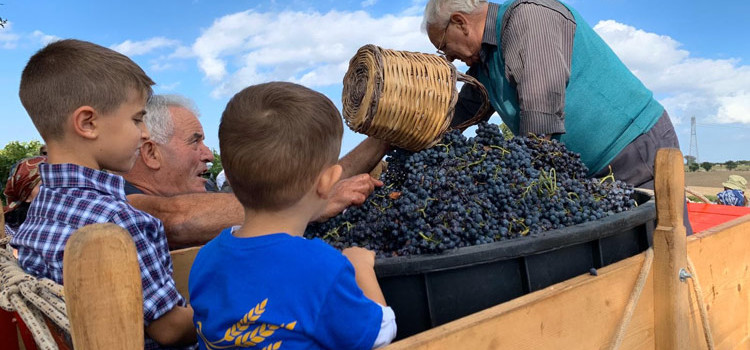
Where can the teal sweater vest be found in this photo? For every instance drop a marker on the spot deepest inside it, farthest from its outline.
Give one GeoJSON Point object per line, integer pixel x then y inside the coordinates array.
{"type": "Point", "coordinates": [606, 106]}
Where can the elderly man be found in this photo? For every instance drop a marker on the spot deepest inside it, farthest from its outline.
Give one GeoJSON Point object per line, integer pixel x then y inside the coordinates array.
{"type": "Point", "coordinates": [548, 73]}
{"type": "Point", "coordinates": [166, 179]}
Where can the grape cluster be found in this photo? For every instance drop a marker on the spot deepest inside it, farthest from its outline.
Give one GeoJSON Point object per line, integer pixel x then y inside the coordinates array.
{"type": "Point", "coordinates": [470, 191]}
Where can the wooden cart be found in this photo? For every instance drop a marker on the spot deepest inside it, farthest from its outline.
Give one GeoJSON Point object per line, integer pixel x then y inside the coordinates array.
{"type": "Point", "coordinates": [685, 293]}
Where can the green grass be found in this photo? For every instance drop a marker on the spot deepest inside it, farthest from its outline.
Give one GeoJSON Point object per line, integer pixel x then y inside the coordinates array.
{"type": "Point", "coordinates": [696, 199]}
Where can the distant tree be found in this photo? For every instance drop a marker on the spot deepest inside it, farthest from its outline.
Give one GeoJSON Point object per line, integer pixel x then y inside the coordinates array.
{"type": "Point", "coordinates": [730, 165]}
{"type": "Point", "coordinates": [216, 167]}
{"type": "Point", "coordinates": [706, 165]}
{"type": "Point", "coordinates": [689, 160]}
{"type": "Point", "coordinates": [693, 167]}
{"type": "Point", "coordinates": [11, 154]}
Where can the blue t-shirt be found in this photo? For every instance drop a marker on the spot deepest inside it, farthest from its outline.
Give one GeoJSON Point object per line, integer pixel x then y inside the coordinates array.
{"type": "Point", "coordinates": [279, 289]}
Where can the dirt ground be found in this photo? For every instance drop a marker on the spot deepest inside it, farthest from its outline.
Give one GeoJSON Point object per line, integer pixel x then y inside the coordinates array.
{"type": "Point", "coordinates": [709, 183]}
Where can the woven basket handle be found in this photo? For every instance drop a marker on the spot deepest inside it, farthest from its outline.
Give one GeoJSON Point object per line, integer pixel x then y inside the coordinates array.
{"type": "Point", "coordinates": [484, 111]}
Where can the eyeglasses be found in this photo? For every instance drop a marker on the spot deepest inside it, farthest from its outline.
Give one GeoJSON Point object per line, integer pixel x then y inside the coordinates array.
{"type": "Point", "coordinates": [442, 41]}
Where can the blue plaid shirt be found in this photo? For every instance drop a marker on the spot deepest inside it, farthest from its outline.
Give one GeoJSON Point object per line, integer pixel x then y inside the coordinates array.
{"type": "Point", "coordinates": [72, 196]}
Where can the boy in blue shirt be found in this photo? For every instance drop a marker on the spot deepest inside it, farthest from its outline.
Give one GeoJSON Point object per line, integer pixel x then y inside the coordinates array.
{"type": "Point", "coordinates": [87, 102]}
{"type": "Point", "coordinates": [262, 284]}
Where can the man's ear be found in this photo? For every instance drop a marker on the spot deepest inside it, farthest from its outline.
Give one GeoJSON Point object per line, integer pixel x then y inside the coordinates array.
{"type": "Point", "coordinates": [328, 179]}
{"type": "Point", "coordinates": [459, 19]}
{"type": "Point", "coordinates": [85, 122]}
{"type": "Point", "coordinates": [151, 155]}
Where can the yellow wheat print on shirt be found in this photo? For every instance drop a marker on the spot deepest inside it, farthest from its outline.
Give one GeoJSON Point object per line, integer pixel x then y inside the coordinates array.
{"type": "Point", "coordinates": [247, 333]}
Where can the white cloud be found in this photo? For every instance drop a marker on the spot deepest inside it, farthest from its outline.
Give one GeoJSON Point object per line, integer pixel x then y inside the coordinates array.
{"type": "Point", "coordinates": [182, 52]}
{"type": "Point", "coordinates": [368, 3]}
{"type": "Point", "coordinates": [712, 90]}
{"type": "Point", "coordinates": [416, 8]}
{"type": "Point", "coordinates": [44, 38]}
{"type": "Point", "coordinates": [310, 48]}
{"type": "Point", "coordinates": [8, 39]}
{"type": "Point", "coordinates": [168, 87]}
{"type": "Point", "coordinates": [158, 66]}
{"type": "Point", "coordinates": [136, 48]}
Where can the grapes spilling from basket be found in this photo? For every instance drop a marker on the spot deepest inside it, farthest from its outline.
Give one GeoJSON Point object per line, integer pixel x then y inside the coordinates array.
{"type": "Point", "coordinates": [470, 191]}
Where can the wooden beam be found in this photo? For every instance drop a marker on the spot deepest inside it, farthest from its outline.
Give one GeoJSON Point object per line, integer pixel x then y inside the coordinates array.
{"type": "Point", "coordinates": [671, 311]}
{"type": "Point", "coordinates": [2, 226]}
{"type": "Point", "coordinates": [103, 294]}
{"type": "Point", "coordinates": [182, 261]}
{"type": "Point", "coordinates": [722, 266]}
{"type": "Point", "coordinates": [580, 313]}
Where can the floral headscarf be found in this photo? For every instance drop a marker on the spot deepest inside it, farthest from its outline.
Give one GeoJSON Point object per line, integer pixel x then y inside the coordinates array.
{"type": "Point", "coordinates": [24, 177]}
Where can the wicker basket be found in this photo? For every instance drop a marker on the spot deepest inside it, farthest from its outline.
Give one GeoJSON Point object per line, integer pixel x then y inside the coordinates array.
{"type": "Point", "coordinates": [405, 98]}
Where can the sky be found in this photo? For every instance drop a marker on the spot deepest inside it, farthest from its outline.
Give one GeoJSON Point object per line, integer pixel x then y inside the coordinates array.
{"type": "Point", "coordinates": [694, 55]}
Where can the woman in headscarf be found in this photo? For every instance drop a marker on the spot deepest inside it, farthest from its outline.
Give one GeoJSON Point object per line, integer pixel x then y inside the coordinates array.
{"type": "Point", "coordinates": [21, 188]}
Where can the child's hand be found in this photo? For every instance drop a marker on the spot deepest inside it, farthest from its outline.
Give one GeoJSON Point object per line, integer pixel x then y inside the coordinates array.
{"type": "Point", "coordinates": [363, 261]}
{"type": "Point", "coordinates": [360, 257]}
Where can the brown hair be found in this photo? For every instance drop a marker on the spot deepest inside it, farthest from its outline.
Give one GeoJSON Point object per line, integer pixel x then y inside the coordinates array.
{"type": "Point", "coordinates": [68, 74]}
{"type": "Point", "coordinates": [275, 139]}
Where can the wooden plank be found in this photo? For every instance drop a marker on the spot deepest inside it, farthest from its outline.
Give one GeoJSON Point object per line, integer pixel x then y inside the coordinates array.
{"type": "Point", "coordinates": [671, 311]}
{"type": "Point", "coordinates": [182, 261]}
{"type": "Point", "coordinates": [722, 263]}
{"type": "Point", "coordinates": [581, 313]}
{"type": "Point", "coordinates": [2, 226]}
{"type": "Point", "coordinates": [103, 292]}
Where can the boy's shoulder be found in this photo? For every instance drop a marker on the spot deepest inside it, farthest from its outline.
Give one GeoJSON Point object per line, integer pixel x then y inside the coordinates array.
{"type": "Point", "coordinates": [86, 196]}
{"type": "Point", "coordinates": [287, 248]}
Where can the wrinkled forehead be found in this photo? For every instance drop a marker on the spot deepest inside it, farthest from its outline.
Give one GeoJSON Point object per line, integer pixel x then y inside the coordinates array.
{"type": "Point", "coordinates": [186, 124]}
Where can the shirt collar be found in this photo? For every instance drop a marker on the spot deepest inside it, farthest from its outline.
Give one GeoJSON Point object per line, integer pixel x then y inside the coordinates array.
{"type": "Point", "coordinates": [489, 37]}
{"type": "Point", "coordinates": [77, 176]}
{"type": "Point", "coordinates": [490, 25]}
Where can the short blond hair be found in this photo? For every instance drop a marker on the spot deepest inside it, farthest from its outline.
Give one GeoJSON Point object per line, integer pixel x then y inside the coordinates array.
{"type": "Point", "coordinates": [68, 74]}
{"type": "Point", "coordinates": [275, 139]}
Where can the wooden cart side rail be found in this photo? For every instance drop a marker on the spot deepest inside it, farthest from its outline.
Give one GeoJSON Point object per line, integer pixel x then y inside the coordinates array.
{"type": "Point", "coordinates": [182, 261]}
{"type": "Point", "coordinates": [580, 313]}
{"type": "Point", "coordinates": [722, 267]}
{"type": "Point", "coordinates": [583, 312]}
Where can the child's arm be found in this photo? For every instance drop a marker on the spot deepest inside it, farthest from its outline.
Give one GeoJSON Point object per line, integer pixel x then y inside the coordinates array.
{"type": "Point", "coordinates": [174, 328]}
{"type": "Point", "coordinates": [363, 261]}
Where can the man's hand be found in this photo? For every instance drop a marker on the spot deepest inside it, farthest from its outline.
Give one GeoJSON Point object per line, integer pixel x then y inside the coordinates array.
{"type": "Point", "coordinates": [346, 192]}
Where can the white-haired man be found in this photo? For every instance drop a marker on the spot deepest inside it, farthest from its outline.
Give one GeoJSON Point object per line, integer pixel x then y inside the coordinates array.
{"type": "Point", "coordinates": [166, 180]}
{"type": "Point", "coordinates": [548, 73]}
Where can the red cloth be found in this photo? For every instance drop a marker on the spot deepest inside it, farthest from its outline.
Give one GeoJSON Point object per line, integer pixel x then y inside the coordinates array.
{"type": "Point", "coordinates": [703, 216]}
{"type": "Point", "coordinates": [23, 178]}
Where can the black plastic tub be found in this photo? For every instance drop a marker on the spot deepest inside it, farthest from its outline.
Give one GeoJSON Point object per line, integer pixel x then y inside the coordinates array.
{"type": "Point", "coordinates": [428, 290]}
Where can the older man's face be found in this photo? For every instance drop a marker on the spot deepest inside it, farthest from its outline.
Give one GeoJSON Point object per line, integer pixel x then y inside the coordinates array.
{"type": "Point", "coordinates": [185, 156]}
{"type": "Point", "coordinates": [457, 40]}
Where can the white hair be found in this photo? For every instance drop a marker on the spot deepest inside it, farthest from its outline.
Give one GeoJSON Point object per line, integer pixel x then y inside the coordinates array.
{"type": "Point", "coordinates": [438, 12]}
{"type": "Point", "coordinates": [158, 119]}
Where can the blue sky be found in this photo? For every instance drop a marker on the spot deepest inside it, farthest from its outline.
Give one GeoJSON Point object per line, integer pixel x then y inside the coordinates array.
{"type": "Point", "coordinates": [693, 54]}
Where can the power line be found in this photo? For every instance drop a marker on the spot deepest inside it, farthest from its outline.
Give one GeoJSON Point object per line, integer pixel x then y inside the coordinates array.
{"type": "Point", "coordinates": [724, 126]}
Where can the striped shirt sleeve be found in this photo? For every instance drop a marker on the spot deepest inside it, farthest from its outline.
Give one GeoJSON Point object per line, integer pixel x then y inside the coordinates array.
{"type": "Point", "coordinates": [537, 42]}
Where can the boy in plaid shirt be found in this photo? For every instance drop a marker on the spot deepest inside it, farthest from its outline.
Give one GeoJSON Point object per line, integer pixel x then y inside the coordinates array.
{"type": "Point", "coordinates": [87, 102]}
